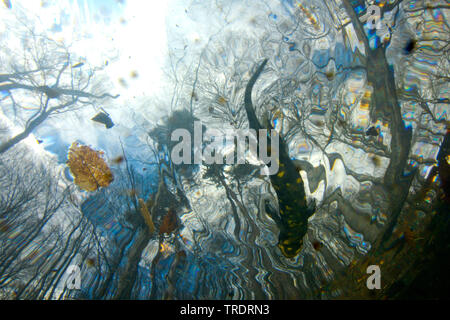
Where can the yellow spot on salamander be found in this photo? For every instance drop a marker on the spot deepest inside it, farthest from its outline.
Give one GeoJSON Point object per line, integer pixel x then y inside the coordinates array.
{"type": "Point", "coordinates": [299, 180]}
{"type": "Point", "coordinates": [281, 174]}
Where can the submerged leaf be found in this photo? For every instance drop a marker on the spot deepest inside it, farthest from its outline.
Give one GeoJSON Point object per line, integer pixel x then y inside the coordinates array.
{"type": "Point", "coordinates": [169, 223]}
{"type": "Point", "coordinates": [88, 168]}
{"type": "Point", "coordinates": [103, 118]}
{"type": "Point", "coordinates": [146, 215]}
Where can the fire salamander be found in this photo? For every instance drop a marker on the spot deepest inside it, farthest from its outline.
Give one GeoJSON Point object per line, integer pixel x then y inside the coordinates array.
{"type": "Point", "coordinates": [294, 211]}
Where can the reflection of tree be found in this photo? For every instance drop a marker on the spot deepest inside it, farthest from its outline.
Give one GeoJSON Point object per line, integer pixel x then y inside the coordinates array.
{"type": "Point", "coordinates": [302, 94]}
{"type": "Point", "coordinates": [386, 105]}
{"type": "Point", "coordinates": [36, 248]}
{"type": "Point", "coordinates": [118, 273]}
{"type": "Point", "coordinates": [42, 79]}
{"type": "Point", "coordinates": [390, 95]}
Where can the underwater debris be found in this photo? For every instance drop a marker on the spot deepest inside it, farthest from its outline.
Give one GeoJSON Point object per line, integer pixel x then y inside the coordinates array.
{"type": "Point", "coordinates": [146, 215]}
{"type": "Point", "coordinates": [292, 46]}
{"type": "Point", "coordinates": [123, 82]}
{"type": "Point", "coordinates": [317, 245]}
{"type": "Point", "coordinates": [4, 226]}
{"type": "Point", "coordinates": [376, 160]}
{"type": "Point", "coordinates": [103, 118]}
{"type": "Point", "coordinates": [134, 74]}
{"type": "Point", "coordinates": [169, 223]}
{"type": "Point", "coordinates": [88, 167]}
{"type": "Point", "coordinates": [194, 96]}
{"type": "Point", "coordinates": [181, 254]}
{"type": "Point", "coordinates": [118, 160]}
{"type": "Point", "coordinates": [366, 99]}
{"type": "Point", "coordinates": [51, 93]}
{"type": "Point", "coordinates": [404, 233]}
{"type": "Point", "coordinates": [131, 193]}
{"type": "Point", "coordinates": [78, 65]}
{"type": "Point", "coordinates": [221, 100]}
{"type": "Point", "coordinates": [372, 131]}
{"type": "Point", "coordinates": [318, 123]}
{"type": "Point", "coordinates": [166, 249]}
{"type": "Point", "coordinates": [410, 46]}
{"type": "Point", "coordinates": [90, 262]}
{"type": "Point", "coordinates": [330, 75]}
{"type": "Point", "coordinates": [312, 20]}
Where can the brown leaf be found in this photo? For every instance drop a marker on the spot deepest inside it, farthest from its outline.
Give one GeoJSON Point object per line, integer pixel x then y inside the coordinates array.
{"type": "Point", "coordinates": [169, 222]}
{"type": "Point", "coordinates": [88, 168]}
{"type": "Point", "coordinates": [146, 215]}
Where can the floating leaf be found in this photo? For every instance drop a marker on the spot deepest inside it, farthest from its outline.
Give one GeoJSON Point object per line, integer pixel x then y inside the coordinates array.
{"type": "Point", "coordinates": [88, 168]}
